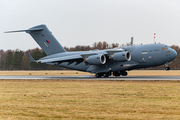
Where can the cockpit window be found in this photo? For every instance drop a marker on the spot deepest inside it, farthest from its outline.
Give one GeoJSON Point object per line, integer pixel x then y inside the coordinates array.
{"type": "Point", "coordinates": [169, 47]}
{"type": "Point", "coordinates": [165, 48]}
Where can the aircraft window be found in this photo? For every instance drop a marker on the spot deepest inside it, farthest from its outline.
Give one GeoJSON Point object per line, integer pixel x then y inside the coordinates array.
{"type": "Point", "coordinates": [163, 48]}
{"type": "Point", "coordinates": [166, 48]}
{"type": "Point", "coordinates": [144, 52]}
{"type": "Point", "coordinates": [168, 51]}
{"type": "Point", "coordinates": [169, 47]}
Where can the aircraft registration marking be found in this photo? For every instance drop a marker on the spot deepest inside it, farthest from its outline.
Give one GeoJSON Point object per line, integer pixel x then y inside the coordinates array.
{"type": "Point", "coordinates": [144, 52]}
{"type": "Point", "coordinates": [46, 44]}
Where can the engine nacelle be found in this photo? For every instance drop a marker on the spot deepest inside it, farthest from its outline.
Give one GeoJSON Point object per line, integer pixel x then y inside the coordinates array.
{"type": "Point", "coordinates": [121, 56]}
{"type": "Point", "coordinates": [96, 59]}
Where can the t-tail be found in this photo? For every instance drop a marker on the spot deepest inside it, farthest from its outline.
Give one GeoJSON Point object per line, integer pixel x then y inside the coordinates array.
{"type": "Point", "coordinates": [44, 39]}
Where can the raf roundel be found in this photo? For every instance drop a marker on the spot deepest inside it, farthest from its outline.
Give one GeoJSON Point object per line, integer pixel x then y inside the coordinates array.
{"type": "Point", "coordinates": [47, 41]}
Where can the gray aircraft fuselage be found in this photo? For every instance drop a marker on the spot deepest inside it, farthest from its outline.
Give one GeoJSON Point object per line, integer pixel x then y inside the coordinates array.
{"type": "Point", "coordinates": [101, 62]}
{"type": "Point", "coordinates": [142, 56]}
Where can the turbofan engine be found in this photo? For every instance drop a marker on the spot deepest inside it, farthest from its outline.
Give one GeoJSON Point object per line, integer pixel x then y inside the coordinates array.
{"type": "Point", "coordinates": [120, 56]}
{"type": "Point", "coordinates": [96, 59]}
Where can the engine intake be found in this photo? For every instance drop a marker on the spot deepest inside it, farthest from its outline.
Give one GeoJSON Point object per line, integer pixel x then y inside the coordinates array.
{"type": "Point", "coordinates": [121, 56]}
{"type": "Point", "coordinates": [96, 59]}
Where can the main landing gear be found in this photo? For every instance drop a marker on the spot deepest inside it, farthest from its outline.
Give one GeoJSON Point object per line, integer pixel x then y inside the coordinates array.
{"type": "Point", "coordinates": [107, 74]}
{"type": "Point", "coordinates": [118, 73]}
{"type": "Point", "coordinates": [167, 67]}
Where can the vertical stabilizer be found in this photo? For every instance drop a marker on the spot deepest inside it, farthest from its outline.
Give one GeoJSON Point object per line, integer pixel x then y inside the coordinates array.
{"type": "Point", "coordinates": [45, 39]}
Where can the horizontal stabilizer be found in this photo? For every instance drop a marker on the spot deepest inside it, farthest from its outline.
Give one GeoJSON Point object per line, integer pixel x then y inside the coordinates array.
{"type": "Point", "coordinates": [27, 31]}
{"type": "Point", "coordinates": [31, 59]}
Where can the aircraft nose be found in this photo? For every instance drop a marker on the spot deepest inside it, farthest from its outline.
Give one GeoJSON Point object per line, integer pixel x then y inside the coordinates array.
{"type": "Point", "coordinates": [173, 54]}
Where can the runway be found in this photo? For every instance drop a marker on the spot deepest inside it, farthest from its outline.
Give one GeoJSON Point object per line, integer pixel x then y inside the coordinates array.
{"type": "Point", "coordinates": [91, 77]}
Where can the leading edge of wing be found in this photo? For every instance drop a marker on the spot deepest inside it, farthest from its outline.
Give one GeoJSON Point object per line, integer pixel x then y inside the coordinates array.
{"type": "Point", "coordinates": [74, 57]}
{"type": "Point", "coordinates": [60, 59]}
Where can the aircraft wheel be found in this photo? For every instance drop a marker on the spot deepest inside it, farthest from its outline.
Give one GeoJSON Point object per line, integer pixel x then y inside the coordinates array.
{"type": "Point", "coordinates": [98, 75]}
{"type": "Point", "coordinates": [167, 68]}
{"type": "Point", "coordinates": [106, 74]}
{"type": "Point", "coordinates": [124, 73]}
{"type": "Point", "coordinates": [116, 74]}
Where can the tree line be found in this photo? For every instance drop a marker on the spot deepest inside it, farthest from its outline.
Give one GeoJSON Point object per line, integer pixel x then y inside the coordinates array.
{"type": "Point", "coordinates": [18, 59]}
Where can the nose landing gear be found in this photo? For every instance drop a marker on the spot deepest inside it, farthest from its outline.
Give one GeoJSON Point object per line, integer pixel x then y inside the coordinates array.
{"type": "Point", "coordinates": [167, 67]}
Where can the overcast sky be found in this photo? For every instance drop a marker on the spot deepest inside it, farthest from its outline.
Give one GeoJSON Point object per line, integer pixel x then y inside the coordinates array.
{"type": "Point", "coordinates": [83, 22]}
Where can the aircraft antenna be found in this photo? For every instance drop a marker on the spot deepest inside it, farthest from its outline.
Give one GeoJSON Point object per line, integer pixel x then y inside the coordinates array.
{"type": "Point", "coordinates": [131, 40]}
{"type": "Point", "coordinates": [154, 37]}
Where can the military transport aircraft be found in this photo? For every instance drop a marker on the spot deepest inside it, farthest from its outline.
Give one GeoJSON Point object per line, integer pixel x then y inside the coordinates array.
{"type": "Point", "coordinates": [103, 63]}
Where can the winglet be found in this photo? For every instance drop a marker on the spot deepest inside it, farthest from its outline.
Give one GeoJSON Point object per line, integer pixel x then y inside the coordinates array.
{"type": "Point", "coordinates": [30, 57]}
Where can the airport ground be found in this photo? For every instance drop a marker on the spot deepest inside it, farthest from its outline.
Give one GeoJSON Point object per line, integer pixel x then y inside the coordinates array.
{"type": "Point", "coordinates": [97, 99]}
{"type": "Point", "coordinates": [78, 73]}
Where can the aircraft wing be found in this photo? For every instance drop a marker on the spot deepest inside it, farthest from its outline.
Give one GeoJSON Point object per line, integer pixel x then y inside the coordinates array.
{"type": "Point", "coordinates": [61, 59]}
{"type": "Point", "coordinates": [72, 58]}
{"type": "Point", "coordinates": [78, 58]}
